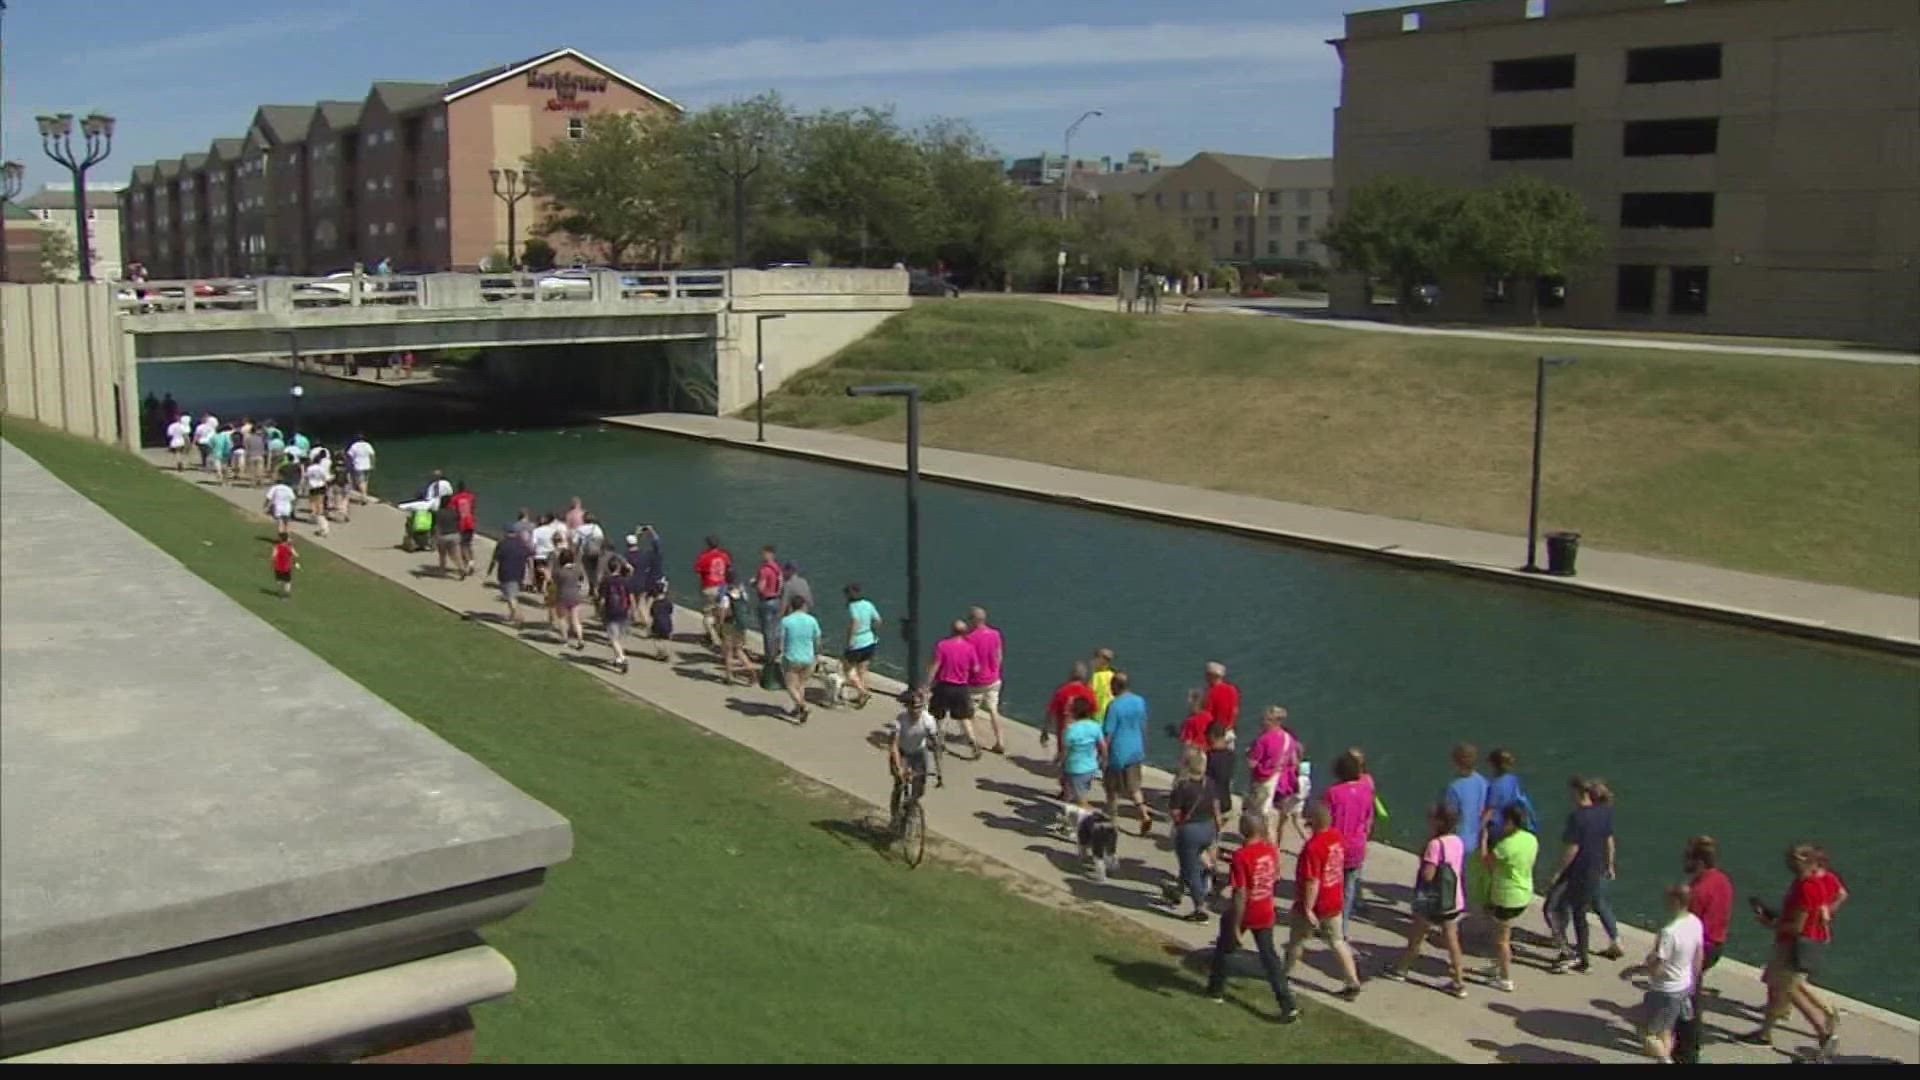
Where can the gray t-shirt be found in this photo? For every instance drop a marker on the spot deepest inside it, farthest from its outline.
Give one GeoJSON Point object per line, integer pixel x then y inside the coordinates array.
{"type": "Point", "coordinates": [796, 586]}
{"type": "Point", "coordinates": [570, 583]}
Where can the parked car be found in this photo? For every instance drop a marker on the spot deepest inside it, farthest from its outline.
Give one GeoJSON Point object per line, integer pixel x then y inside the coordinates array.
{"type": "Point", "coordinates": [928, 283]}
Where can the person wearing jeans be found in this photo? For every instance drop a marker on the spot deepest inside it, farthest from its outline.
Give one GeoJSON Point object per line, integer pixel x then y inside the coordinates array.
{"type": "Point", "coordinates": [1585, 860]}
{"type": "Point", "coordinates": [1256, 867]}
{"type": "Point", "coordinates": [1351, 800]}
{"type": "Point", "coordinates": [1196, 825]}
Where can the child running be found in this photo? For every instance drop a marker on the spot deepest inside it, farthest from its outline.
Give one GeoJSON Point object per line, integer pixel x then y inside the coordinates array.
{"type": "Point", "coordinates": [285, 562]}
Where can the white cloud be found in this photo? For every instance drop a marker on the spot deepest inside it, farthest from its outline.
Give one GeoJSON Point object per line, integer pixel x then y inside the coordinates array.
{"type": "Point", "coordinates": [760, 60]}
{"type": "Point", "coordinates": [191, 42]}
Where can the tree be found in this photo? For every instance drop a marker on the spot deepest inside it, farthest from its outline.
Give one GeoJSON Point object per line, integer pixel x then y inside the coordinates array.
{"type": "Point", "coordinates": [1527, 228]}
{"type": "Point", "coordinates": [537, 254]}
{"type": "Point", "coordinates": [58, 261]}
{"type": "Point", "coordinates": [623, 185]}
{"type": "Point", "coordinates": [979, 224]}
{"type": "Point", "coordinates": [864, 187]}
{"type": "Point", "coordinates": [1405, 229]}
{"type": "Point", "coordinates": [755, 136]}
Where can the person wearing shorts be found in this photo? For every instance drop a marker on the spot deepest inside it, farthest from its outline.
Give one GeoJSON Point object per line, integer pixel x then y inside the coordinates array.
{"type": "Point", "coordinates": [711, 568]}
{"type": "Point", "coordinates": [1125, 729]}
{"type": "Point", "coordinates": [1672, 968]}
{"type": "Point", "coordinates": [948, 677]}
{"type": "Point", "coordinates": [446, 537]}
{"type": "Point", "coordinates": [983, 690]}
{"type": "Point", "coordinates": [863, 639]}
{"type": "Point", "coordinates": [1083, 750]}
{"type": "Point", "coordinates": [1802, 929]}
{"type": "Point", "coordinates": [799, 652]}
{"type": "Point", "coordinates": [1509, 866]}
{"type": "Point", "coordinates": [280, 507]}
{"type": "Point", "coordinates": [510, 558]}
{"type": "Point", "coordinates": [910, 750]}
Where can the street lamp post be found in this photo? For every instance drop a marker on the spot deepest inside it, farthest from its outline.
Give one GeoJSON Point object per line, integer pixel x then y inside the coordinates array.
{"type": "Point", "coordinates": [911, 626]}
{"type": "Point", "coordinates": [294, 389]}
{"type": "Point", "coordinates": [739, 173]}
{"type": "Point", "coordinates": [56, 138]}
{"type": "Point", "coordinates": [760, 380]}
{"type": "Point", "coordinates": [1539, 438]}
{"type": "Point", "coordinates": [12, 173]}
{"type": "Point", "coordinates": [507, 187]}
{"type": "Point", "coordinates": [1066, 174]}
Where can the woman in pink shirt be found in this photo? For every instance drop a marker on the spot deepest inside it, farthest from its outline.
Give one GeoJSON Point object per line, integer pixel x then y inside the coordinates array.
{"type": "Point", "coordinates": [1351, 799]}
{"type": "Point", "coordinates": [949, 680]}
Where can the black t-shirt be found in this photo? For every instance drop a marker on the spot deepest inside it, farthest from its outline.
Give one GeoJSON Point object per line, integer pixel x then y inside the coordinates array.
{"type": "Point", "coordinates": [1589, 827]}
{"type": "Point", "coordinates": [446, 520]}
{"type": "Point", "coordinates": [1192, 800]}
{"type": "Point", "coordinates": [512, 556]}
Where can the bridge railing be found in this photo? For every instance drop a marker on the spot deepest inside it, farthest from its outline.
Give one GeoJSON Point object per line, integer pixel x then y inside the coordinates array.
{"type": "Point", "coordinates": [271, 294]}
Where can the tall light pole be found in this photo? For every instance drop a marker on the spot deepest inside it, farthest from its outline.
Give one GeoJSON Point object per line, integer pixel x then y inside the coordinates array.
{"type": "Point", "coordinates": [1539, 438]}
{"type": "Point", "coordinates": [760, 380]}
{"type": "Point", "coordinates": [739, 171]}
{"type": "Point", "coordinates": [911, 626]}
{"type": "Point", "coordinates": [56, 138]}
{"type": "Point", "coordinates": [511, 194]}
{"type": "Point", "coordinates": [1066, 174]}
{"type": "Point", "coordinates": [13, 175]}
{"type": "Point", "coordinates": [294, 389]}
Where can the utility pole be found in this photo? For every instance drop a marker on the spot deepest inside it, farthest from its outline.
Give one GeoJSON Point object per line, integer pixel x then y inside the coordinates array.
{"type": "Point", "coordinates": [1066, 174]}
{"type": "Point", "coordinates": [739, 172]}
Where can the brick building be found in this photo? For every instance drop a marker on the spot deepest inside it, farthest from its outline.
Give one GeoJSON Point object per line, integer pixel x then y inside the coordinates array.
{"type": "Point", "coordinates": [399, 175]}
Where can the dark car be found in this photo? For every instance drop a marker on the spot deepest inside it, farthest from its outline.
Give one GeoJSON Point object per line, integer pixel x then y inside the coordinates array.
{"type": "Point", "coordinates": [927, 283]}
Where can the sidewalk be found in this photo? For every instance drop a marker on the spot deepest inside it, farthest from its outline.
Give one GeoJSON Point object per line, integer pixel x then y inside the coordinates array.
{"type": "Point", "coordinates": [1834, 612]}
{"type": "Point", "coordinates": [999, 807]}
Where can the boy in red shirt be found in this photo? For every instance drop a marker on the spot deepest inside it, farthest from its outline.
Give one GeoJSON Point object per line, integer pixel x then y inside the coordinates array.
{"type": "Point", "coordinates": [1319, 890]}
{"type": "Point", "coordinates": [1256, 869]}
{"type": "Point", "coordinates": [284, 564]}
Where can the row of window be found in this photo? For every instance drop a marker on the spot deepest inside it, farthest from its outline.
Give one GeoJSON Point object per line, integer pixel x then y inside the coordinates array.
{"type": "Point", "coordinates": [1635, 289]}
{"type": "Point", "coordinates": [1301, 223]}
{"type": "Point", "coordinates": [1683, 136]}
{"type": "Point", "coordinates": [1242, 200]}
{"type": "Point", "coordinates": [1655, 64]}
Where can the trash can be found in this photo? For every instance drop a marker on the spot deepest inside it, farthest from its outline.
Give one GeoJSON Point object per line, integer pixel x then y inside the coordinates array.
{"type": "Point", "coordinates": [1562, 549]}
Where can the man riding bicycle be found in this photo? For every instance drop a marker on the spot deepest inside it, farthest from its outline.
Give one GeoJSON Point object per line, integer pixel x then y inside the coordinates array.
{"type": "Point", "coordinates": [910, 753]}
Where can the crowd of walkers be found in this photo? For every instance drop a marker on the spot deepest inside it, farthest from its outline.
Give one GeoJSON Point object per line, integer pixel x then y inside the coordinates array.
{"type": "Point", "coordinates": [1481, 844]}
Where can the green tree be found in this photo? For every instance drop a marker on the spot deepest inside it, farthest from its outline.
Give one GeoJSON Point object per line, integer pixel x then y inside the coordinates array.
{"type": "Point", "coordinates": [864, 188]}
{"type": "Point", "coordinates": [979, 223]}
{"type": "Point", "coordinates": [622, 186]}
{"type": "Point", "coordinates": [537, 254]}
{"type": "Point", "coordinates": [58, 261]}
{"type": "Point", "coordinates": [756, 137]}
{"type": "Point", "coordinates": [1527, 228]}
{"type": "Point", "coordinates": [1404, 229]}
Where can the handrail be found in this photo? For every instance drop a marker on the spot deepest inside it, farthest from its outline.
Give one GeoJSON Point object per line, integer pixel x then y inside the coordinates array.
{"type": "Point", "coordinates": [280, 293]}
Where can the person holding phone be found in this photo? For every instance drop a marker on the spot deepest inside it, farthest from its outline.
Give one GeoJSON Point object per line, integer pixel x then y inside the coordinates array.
{"type": "Point", "coordinates": [1802, 930]}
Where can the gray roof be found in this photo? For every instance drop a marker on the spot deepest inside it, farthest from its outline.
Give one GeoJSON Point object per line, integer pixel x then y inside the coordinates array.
{"type": "Point", "coordinates": [285, 123]}
{"type": "Point", "coordinates": [1274, 172]}
{"type": "Point", "coordinates": [143, 174]}
{"type": "Point", "coordinates": [166, 168]}
{"type": "Point", "coordinates": [342, 115]}
{"type": "Point", "coordinates": [407, 96]}
{"type": "Point", "coordinates": [62, 199]}
{"type": "Point", "coordinates": [227, 149]}
{"type": "Point", "coordinates": [193, 162]}
{"type": "Point", "coordinates": [1106, 185]}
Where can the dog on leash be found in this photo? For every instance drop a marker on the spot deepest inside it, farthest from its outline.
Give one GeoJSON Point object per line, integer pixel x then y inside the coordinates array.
{"type": "Point", "coordinates": [834, 679]}
{"type": "Point", "coordinates": [1099, 841]}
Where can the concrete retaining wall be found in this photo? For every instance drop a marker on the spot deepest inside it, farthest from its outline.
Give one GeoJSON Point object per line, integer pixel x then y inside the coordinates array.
{"type": "Point", "coordinates": [824, 311]}
{"type": "Point", "coordinates": [63, 356]}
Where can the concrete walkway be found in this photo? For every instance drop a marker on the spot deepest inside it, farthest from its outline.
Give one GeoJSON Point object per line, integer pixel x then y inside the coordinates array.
{"type": "Point", "coordinates": [999, 807]}
{"type": "Point", "coordinates": [1833, 612]}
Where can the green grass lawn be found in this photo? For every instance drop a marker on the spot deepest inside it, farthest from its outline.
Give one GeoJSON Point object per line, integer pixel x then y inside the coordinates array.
{"type": "Point", "coordinates": [716, 907]}
{"type": "Point", "coordinates": [1795, 468]}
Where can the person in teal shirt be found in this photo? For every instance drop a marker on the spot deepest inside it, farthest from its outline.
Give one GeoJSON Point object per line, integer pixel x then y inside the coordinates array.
{"type": "Point", "coordinates": [863, 638]}
{"type": "Point", "coordinates": [1126, 732]}
{"type": "Point", "coordinates": [300, 440]}
{"type": "Point", "coordinates": [220, 452]}
{"type": "Point", "coordinates": [1081, 746]}
{"type": "Point", "coordinates": [799, 652]}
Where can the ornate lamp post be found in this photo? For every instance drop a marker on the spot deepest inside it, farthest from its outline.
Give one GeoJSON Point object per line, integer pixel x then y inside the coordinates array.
{"type": "Point", "coordinates": [509, 188]}
{"type": "Point", "coordinates": [14, 175]}
{"type": "Point", "coordinates": [56, 138]}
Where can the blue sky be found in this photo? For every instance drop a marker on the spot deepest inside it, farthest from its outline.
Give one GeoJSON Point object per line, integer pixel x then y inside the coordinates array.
{"type": "Point", "coordinates": [1244, 77]}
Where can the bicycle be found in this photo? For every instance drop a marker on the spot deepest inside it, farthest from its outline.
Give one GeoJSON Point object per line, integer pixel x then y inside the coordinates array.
{"type": "Point", "coordinates": [907, 821]}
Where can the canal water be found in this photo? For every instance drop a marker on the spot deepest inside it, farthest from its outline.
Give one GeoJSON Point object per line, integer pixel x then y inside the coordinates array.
{"type": "Point", "coordinates": [1755, 738]}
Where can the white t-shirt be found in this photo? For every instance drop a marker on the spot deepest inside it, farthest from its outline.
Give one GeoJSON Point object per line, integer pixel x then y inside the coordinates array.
{"type": "Point", "coordinates": [280, 498]}
{"type": "Point", "coordinates": [204, 432]}
{"type": "Point", "coordinates": [589, 533]}
{"type": "Point", "coordinates": [1675, 951]}
{"type": "Point", "coordinates": [361, 456]}
{"type": "Point", "coordinates": [316, 477]}
{"type": "Point", "coordinates": [916, 733]}
{"type": "Point", "coordinates": [543, 540]}
{"type": "Point", "coordinates": [439, 489]}
{"type": "Point", "coordinates": [294, 452]}
{"type": "Point", "coordinates": [177, 433]}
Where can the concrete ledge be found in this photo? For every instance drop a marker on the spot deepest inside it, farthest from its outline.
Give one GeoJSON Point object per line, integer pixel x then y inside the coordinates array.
{"type": "Point", "coordinates": [307, 1019]}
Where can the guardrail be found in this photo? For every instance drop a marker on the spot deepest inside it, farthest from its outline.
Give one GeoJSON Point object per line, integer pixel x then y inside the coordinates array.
{"type": "Point", "coordinates": [282, 294]}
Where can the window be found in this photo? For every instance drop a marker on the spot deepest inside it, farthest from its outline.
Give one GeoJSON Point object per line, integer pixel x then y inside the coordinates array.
{"type": "Point", "coordinates": [1303, 223]}
{"type": "Point", "coordinates": [390, 228]}
{"type": "Point", "coordinates": [1273, 247]}
{"type": "Point", "coordinates": [1536, 9]}
{"type": "Point", "coordinates": [373, 228]}
{"type": "Point", "coordinates": [46, 215]}
{"type": "Point", "coordinates": [1533, 142]}
{"type": "Point", "coordinates": [1496, 289]}
{"type": "Point", "coordinates": [1656, 138]}
{"type": "Point", "coordinates": [372, 184]}
{"type": "Point", "coordinates": [1550, 291]}
{"type": "Point", "coordinates": [576, 128]}
{"type": "Point", "coordinates": [1533, 73]}
{"type": "Point", "coordinates": [1274, 197]}
{"type": "Point", "coordinates": [1242, 199]}
{"type": "Point", "coordinates": [1633, 290]}
{"type": "Point", "coordinates": [1273, 223]}
{"type": "Point", "coordinates": [1237, 248]}
{"type": "Point", "coordinates": [1300, 249]}
{"type": "Point", "coordinates": [1409, 22]}
{"type": "Point", "coordinates": [386, 183]}
{"type": "Point", "coordinates": [1689, 290]}
{"type": "Point", "coordinates": [1303, 200]}
{"type": "Point", "coordinates": [1213, 224]}
{"type": "Point", "coordinates": [1666, 210]}
{"type": "Point", "coordinates": [1159, 200]}
{"type": "Point", "coordinates": [439, 173]}
{"type": "Point", "coordinates": [440, 224]}
{"type": "Point", "coordinates": [1211, 201]}
{"type": "Point", "coordinates": [438, 123]}
{"type": "Point", "coordinates": [1186, 200]}
{"type": "Point", "coordinates": [1673, 63]}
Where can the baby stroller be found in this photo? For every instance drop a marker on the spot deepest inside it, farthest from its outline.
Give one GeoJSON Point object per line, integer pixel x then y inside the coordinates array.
{"type": "Point", "coordinates": [418, 531]}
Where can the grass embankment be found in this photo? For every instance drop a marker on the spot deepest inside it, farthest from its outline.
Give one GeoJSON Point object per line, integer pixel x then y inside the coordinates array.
{"type": "Point", "coordinates": [715, 908]}
{"type": "Point", "coordinates": [1796, 468]}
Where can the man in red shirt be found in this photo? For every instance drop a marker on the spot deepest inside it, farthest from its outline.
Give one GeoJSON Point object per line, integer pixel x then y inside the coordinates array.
{"type": "Point", "coordinates": [1255, 871]}
{"type": "Point", "coordinates": [1223, 705]}
{"type": "Point", "coordinates": [1060, 713]}
{"type": "Point", "coordinates": [767, 583]}
{"type": "Point", "coordinates": [1318, 893]}
{"type": "Point", "coordinates": [463, 502]}
{"type": "Point", "coordinates": [711, 567]}
{"type": "Point", "coordinates": [1710, 899]}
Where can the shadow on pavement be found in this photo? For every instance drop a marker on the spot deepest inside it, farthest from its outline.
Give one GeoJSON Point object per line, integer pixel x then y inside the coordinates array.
{"type": "Point", "coordinates": [759, 709]}
{"type": "Point", "coordinates": [1559, 1025]}
{"type": "Point", "coordinates": [1530, 1054]}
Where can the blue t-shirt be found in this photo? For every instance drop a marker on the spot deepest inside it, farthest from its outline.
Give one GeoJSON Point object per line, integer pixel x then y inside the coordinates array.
{"type": "Point", "coordinates": [1082, 743]}
{"type": "Point", "coordinates": [221, 445]}
{"type": "Point", "coordinates": [1502, 792]}
{"type": "Point", "coordinates": [800, 638]}
{"type": "Point", "coordinates": [1126, 731]}
{"type": "Point", "coordinates": [1589, 827]}
{"type": "Point", "coordinates": [1468, 796]}
{"type": "Point", "coordinates": [862, 614]}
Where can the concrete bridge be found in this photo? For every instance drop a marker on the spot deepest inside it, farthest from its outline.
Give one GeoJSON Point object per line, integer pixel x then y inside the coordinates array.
{"type": "Point", "coordinates": [69, 353]}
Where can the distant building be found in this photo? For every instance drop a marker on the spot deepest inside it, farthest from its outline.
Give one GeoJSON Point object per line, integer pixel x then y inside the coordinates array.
{"type": "Point", "coordinates": [1142, 161]}
{"type": "Point", "coordinates": [1754, 165]}
{"type": "Point", "coordinates": [23, 230]}
{"type": "Point", "coordinates": [53, 206]}
{"type": "Point", "coordinates": [400, 175]}
{"type": "Point", "coordinates": [1049, 168]}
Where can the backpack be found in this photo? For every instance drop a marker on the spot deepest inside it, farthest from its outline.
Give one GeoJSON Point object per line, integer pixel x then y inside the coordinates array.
{"type": "Point", "coordinates": [618, 599]}
{"type": "Point", "coordinates": [1439, 897]}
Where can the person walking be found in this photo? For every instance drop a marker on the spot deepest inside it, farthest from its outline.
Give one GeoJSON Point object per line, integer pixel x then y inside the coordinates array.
{"type": "Point", "coordinates": [285, 562]}
{"type": "Point", "coordinates": [511, 557]}
{"type": "Point", "coordinates": [1802, 932]}
{"type": "Point", "coordinates": [948, 676]}
{"type": "Point", "coordinates": [1350, 803]}
{"type": "Point", "coordinates": [1273, 766]}
{"type": "Point", "coordinates": [1060, 714]}
{"type": "Point", "coordinates": [1585, 857]}
{"type": "Point", "coordinates": [466, 505]}
{"type": "Point", "coordinates": [1439, 898]}
{"type": "Point", "coordinates": [1125, 729]}
{"type": "Point", "coordinates": [203, 433]}
{"type": "Point", "coordinates": [616, 607]}
{"type": "Point", "coordinates": [543, 540]}
{"type": "Point", "coordinates": [315, 481]}
{"type": "Point", "coordinates": [1223, 705]}
{"type": "Point", "coordinates": [1254, 872]}
{"type": "Point", "coordinates": [989, 653]}
{"type": "Point", "coordinates": [220, 451]}
{"type": "Point", "coordinates": [254, 446]}
{"type": "Point", "coordinates": [711, 568]}
{"type": "Point", "coordinates": [179, 433]}
{"type": "Point", "coordinates": [1466, 794]}
{"type": "Point", "coordinates": [1196, 825]}
{"type": "Point", "coordinates": [1318, 896]}
{"type": "Point", "coordinates": [1083, 754]}
{"type": "Point", "coordinates": [569, 592]}
{"type": "Point", "coordinates": [360, 465]}
{"type": "Point", "coordinates": [446, 538]}
{"type": "Point", "coordinates": [799, 652]}
{"type": "Point", "coordinates": [1603, 889]}
{"type": "Point", "coordinates": [767, 583]}
{"type": "Point", "coordinates": [590, 547]}
{"type": "Point", "coordinates": [1101, 681]}
{"type": "Point", "coordinates": [1509, 873]}
{"type": "Point", "coordinates": [1672, 968]}
{"type": "Point", "coordinates": [863, 640]}
{"type": "Point", "coordinates": [1710, 899]}
{"type": "Point", "coordinates": [730, 621]}
{"type": "Point", "coordinates": [279, 504]}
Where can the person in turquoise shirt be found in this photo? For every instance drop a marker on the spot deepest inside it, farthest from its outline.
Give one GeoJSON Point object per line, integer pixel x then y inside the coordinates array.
{"type": "Point", "coordinates": [799, 652]}
{"type": "Point", "coordinates": [305, 444]}
{"type": "Point", "coordinates": [1081, 744]}
{"type": "Point", "coordinates": [220, 451]}
{"type": "Point", "coordinates": [863, 638]}
{"type": "Point", "coordinates": [1126, 731]}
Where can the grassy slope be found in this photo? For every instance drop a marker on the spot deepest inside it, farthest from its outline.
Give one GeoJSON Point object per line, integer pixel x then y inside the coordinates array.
{"type": "Point", "coordinates": [715, 908]}
{"type": "Point", "coordinates": [1805, 469]}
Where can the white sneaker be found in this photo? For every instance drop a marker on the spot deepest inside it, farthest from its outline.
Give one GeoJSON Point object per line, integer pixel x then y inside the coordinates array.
{"type": "Point", "coordinates": [1505, 986]}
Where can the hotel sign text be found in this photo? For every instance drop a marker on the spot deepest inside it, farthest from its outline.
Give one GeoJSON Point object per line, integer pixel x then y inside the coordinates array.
{"type": "Point", "coordinates": [567, 88]}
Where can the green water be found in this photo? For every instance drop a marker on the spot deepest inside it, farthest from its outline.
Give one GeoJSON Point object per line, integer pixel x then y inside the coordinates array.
{"type": "Point", "coordinates": [1757, 739]}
